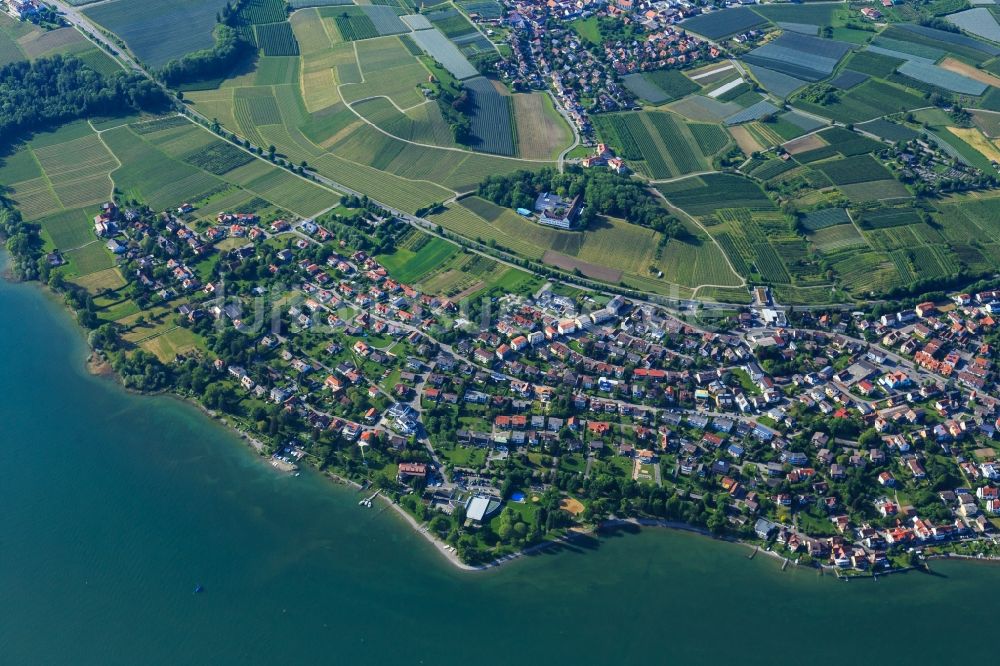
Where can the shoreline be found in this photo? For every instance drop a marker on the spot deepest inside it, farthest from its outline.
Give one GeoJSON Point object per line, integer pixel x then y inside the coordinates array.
{"type": "Point", "coordinates": [96, 365]}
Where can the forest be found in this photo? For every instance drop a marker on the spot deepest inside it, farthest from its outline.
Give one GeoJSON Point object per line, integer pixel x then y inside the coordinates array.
{"type": "Point", "coordinates": [211, 63]}
{"type": "Point", "coordinates": [51, 91]}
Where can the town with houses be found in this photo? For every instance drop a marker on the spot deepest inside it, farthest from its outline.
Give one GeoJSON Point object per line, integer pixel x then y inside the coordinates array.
{"type": "Point", "coordinates": [547, 53]}
{"type": "Point", "coordinates": [844, 439]}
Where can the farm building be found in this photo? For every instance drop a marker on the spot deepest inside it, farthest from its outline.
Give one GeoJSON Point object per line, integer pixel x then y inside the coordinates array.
{"type": "Point", "coordinates": [21, 8]}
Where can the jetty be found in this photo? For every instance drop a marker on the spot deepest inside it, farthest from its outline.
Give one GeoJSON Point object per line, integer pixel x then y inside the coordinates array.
{"type": "Point", "coordinates": [754, 553]}
{"type": "Point", "coordinates": [367, 502]}
{"type": "Point", "coordinates": [283, 465]}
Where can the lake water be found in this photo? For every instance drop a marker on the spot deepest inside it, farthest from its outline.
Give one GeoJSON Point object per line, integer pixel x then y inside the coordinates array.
{"type": "Point", "coordinates": [114, 506]}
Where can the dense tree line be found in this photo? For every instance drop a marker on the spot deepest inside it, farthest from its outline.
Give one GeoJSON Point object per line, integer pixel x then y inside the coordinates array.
{"type": "Point", "coordinates": [939, 23]}
{"type": "Point", "coordinates": [603, 193]}
{"type": "Point", "coordinates": [454, 102]}
{"type": "Point", "coordinates": [49, 91]}
{"type": "Point", "coordinates": [210, 63]}
{"type": "Point", "coordinates": [23, 241]}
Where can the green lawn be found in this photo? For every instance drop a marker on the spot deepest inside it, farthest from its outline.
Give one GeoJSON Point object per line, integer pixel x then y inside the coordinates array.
{"type": "Point", "coordinates": [408, 266]}
{"type": "Point", "coordinates": [464, 456]}
{"type": "Point", "coordinates": [572, 462]}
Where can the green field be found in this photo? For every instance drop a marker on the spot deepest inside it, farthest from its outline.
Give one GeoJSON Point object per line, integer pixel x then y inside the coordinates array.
{"type": "Point", "coordinates": [701, 195]}
{"type": "Point", "coordinates": [67, 168]}
{"type": "Point", "coordinates": [68, 229]}
{"type": "Point", "coordinates": [161, 31]}
{"type": "Point", "coordinates": [661, 144]}
{"type": "Point", "coordinates": [856, 169]}
{"type": "Point", "coordinates": [410, 264]}
{"type": "Point", "coordinates": [353, 24]}
{"type": "Point", "coordinates": [872, 99]}
{"type": "Point", "coordinates": [89, 259]}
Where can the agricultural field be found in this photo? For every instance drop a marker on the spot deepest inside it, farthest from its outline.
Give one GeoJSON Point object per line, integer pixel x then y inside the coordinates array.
{"type": "Point", "coordinates": [818, 15]}
{"type": "Point", "coordinates": [763, 246]}
{"type": "Point", "coordinates": [847, 79]}
{"type": "Point", "coordinates": [67, 168]}
{"type": "Point", "coordinates": [491, 118]}
{"type": "Point", "coordinates": [25, 41]}
{"type": "Point", "coordinates": [867, 101]}
{"type": "Point", "coordinates": [219, 157]}
{"type": "Point", "coordinates": [301, 4]}
{"type": "Point", "coordinates": [542, 133]}
{"type": "Point", "coordinates": [700, 195]}
{"type": "Point", "coordinates": [259, 12]}
{"type": "Point", "coordinates": [716, 25]}
{"type": "Point", "coordinates": [276, 39]}
{"type": "Point", "coordinates": [755, 111]}
{"type": "Point", "coordinates": [661, 145]}
{"type": "Point", "coordinates": [385, 20]}
{"type": "Point", "coordinates": [388, 70]}
{"type": "Point", "coordinates": [660, 86]}
{"type": "Point", "coordinates": [888, 130]}
{"type": "Point", "coordinates": [771, 168]}
{"type": "Point", "coordinates": [800, 56]}
{"type": "Point", "coordinates": [836, 238]}
{"type": "Point", "coordinates": [487, 9]}
{"type": "Point", "coordinates": [422, 123]}
{"type": "Point", "coordinates": [88, 259]}
{"type": "Point", "coordinates": [162, 31]}
{"type": "Point", "coordinates": [69, 228]}
{"type": "Point", "coordinates": [450, 21]}
{"type": "Point", "coordinates": [871, 63]}
{"type": "Point", "coordinates": [175, 164]}
{"type": "Point", "coordinates": [775, 82]}
{"type": "Point", "coordinates": [875, 190]}
{"type": "Point", "coordinates": [824, 218]}
{"type": "Point", "coordinates": [941, 78]}
{"type": "Point", "coordinates": [460, 275]}
{"type": "Point", "coordinates": [353, 24]}
{"type": "Point", "coordinates": [437, 46]}
{"type": "Point", "coordinates": [947, 42]}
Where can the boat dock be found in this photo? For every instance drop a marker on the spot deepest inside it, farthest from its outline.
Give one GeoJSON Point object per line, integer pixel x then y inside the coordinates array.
{"type": "Point", "coordinates": [367, 502]}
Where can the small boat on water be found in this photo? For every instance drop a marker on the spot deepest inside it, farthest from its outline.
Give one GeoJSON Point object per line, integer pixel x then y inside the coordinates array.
{"type": "Point", "coordinates": [199, 588]}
